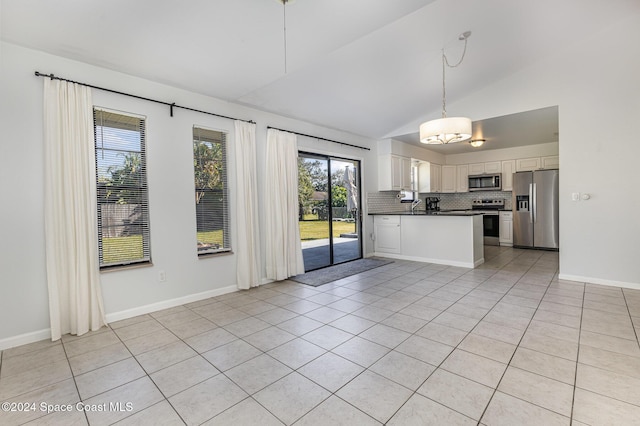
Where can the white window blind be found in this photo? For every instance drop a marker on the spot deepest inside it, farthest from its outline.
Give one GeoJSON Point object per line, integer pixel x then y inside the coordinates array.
{"type": "Point", "coordinates": [121, 173]}
{"type": "Point", "coordinates": [211, 192]}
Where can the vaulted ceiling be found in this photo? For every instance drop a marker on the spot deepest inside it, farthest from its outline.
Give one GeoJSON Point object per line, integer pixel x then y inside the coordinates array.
{"type": "Point", "coordinates": [368, 67]}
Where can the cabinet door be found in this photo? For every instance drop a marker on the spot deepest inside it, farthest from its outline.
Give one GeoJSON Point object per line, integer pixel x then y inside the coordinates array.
{"type": "Point", "coordinates": [476, 169]}
{"type": "Point", "coordinates": [448, 178]}
{"type": "Point", "coordinates": [436, 178]}
{"type": "Point", "coordinates": [405, 173]}
{"type": "Point", "coordinates": [508, 168]}
{"type": "Point", "coordinates": [387, 230]}
{"type": "Point", "coordinates": [463, 178]}
{"type": "Point", "coordinates": [493, 167]}
{"type": "Point", "coordinates": [396, 173]}
{"type": "Point", "coordinates": [506, 228]}
{"type": "Point", "coordinates": [551, 162]}
{"type": "Point", "coordinates": [424, 177]}
{"type": "Point", "coordinates": [527, 164]}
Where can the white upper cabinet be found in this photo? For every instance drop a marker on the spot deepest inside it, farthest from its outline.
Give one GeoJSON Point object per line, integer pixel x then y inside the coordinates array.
{"type": "Point", "coordinates": [449, 178]}
{"type": "Point", "coordinates": [405, 173]}
{"type": "Point", "coordinates": [527, 164]}
{"type": "Point", "coordinates": [436, 178]}
{"type": "Point", "coordinates": [537, 163]}
{"type": "Point", "coordinates": [508, 168]}
{"type": "Point", "coordinates": [493, 167]}
{"type": "Point", "coordinates": [551, 162]}
{"type": "Point", "coordinates": [463, 178]}
{"type": "Point", "coordinates": [482, 168]}
{"type": "Point", "coordinates": [394, 173]}
{"type": "Point", "coordinates": [476, 169]}
{"type": "Point", "coordinates": [424, 177]}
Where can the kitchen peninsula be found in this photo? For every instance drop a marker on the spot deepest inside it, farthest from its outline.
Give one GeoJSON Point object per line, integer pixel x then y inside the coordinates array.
{"type": "Point", "coordinates": [445, 237]}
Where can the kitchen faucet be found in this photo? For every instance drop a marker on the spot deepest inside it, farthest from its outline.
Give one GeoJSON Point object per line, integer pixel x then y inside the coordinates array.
{"type": "Point", "coordinates": [415, 203]}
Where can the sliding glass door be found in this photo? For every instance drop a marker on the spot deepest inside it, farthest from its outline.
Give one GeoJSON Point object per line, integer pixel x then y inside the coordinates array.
{"type": "Point", "coordinates": [329, 210]}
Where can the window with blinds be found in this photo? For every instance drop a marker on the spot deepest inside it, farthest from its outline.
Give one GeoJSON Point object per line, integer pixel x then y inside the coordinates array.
{"type": "Point", "coordinates": [211, 193]}
{"type": "Point", "coordinates": [121, 173]}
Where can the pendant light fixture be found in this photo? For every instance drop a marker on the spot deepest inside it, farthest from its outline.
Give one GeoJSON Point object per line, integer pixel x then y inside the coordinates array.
{"type": "Point", "coordinates": [447, 129]}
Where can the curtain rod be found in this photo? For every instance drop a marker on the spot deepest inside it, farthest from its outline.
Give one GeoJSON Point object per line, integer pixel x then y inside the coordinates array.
{"type": "Point", "coordinates": [170, 105]}
{"type": "Point", "coordinates": [322, 139]}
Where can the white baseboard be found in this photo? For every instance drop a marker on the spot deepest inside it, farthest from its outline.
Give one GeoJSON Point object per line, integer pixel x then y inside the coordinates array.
{"type": "Point", "coordinates": [165, 304]}
{"type": "Point", "coordinates": [600, 281]}
{"type": "Point", "coordinates": [36, 336]}
{"type": "Point", "coordinates": [428, 260]}
{"type": "Point", "coordinates": [23, 339]}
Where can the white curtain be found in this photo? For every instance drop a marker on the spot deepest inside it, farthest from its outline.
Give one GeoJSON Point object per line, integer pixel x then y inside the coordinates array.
{"type": "Point", "coordinates": [248, 242]}
{"type": "Point", "coordinates": [73, 276]}
{"type": "Point", "coordinates": [283, 247]}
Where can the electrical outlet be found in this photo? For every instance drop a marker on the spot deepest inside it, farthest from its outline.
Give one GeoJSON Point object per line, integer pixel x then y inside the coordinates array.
{"type": "Point", "coordinates": [162, 276]}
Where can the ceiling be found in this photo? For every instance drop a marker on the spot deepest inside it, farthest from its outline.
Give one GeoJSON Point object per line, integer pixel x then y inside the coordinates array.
{"type": "Point", "coordinates": [369, 67]}
{"type": "Point", "coordinates": [508, 131]}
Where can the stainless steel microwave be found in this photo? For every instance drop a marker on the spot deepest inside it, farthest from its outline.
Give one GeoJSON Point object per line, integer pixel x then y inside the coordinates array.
{"type": "Point", "coordinates": [487, 182]}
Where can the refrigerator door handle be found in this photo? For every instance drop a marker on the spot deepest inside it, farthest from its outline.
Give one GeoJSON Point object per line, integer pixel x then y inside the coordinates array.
{"type": "Point", "coordinates": [531, 203]}
{"type": "Point", "coordinates": [534, 206]}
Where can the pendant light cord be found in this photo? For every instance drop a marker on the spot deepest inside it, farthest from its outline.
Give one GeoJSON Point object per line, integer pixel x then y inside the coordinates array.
{"type": "Point", "coordinates": [284, 25]}
{"type": "Point", "coordinates": [445, 64]}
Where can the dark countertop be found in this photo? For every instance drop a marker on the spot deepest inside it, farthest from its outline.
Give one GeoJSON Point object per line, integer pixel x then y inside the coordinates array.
{"type": "Point", "coordinates": [430, 213]}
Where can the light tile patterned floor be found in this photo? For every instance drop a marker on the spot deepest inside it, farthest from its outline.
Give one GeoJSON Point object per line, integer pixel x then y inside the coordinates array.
{"type": "Point", "coordinates": [408, 343]}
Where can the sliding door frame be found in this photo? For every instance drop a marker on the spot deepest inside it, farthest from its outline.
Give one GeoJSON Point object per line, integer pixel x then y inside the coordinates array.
{"type": "Point", "coordinates": [358, 219]}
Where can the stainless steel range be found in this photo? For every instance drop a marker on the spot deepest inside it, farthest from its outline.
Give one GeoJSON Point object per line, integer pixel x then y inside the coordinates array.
{"type": "Point", "coordinates": [490, 209]}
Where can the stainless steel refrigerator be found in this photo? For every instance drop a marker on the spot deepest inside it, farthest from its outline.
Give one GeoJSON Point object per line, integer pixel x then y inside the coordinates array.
{"type": "Point", "coordinates": [535, 209]}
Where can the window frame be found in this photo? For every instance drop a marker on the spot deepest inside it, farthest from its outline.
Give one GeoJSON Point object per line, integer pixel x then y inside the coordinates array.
{"type": "Point", "coordinates": [143, 188]}
{"type": "Point", "coordinates": [204, 134]}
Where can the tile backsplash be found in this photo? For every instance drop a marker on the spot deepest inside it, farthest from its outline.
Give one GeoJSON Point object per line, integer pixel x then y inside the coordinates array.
{"type": "Point", "coordinates": [387, 201]}
{"type": "Point", "coordinates": [463, 200]}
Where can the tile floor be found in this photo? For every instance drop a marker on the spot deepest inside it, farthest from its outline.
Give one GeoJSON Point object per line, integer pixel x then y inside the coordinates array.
{"type": "Point", "coordinates": [408, 343]}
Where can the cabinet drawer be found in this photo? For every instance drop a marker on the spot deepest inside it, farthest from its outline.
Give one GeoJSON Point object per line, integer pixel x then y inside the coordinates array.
{"type": "Point", "coordinates": [389, 219]}
{"type": "Point", "coordinates": [506, 215]}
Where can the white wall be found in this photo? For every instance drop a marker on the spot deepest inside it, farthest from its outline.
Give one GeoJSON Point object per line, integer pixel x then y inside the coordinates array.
{"type": "Point", "coordinates": [596, 85]}
{"type": "Point", "coordinates": [23, 290]}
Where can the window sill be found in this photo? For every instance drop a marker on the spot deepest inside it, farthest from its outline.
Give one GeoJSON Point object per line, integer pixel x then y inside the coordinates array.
{"type": "Point", "coordinates": [116, 268]}
{"type": "Point", "coordinates": [216, 254]}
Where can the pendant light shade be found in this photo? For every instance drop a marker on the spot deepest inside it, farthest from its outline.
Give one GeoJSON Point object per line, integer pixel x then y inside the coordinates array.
{"type": "Point", "coordinates": [445, 130]}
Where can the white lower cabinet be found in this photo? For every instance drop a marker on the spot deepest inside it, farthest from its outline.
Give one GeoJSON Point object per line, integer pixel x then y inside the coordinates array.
{"type": "Point", "coordinates": [506, 228]}
{"type": "Point", "coordinates": [387, 234]}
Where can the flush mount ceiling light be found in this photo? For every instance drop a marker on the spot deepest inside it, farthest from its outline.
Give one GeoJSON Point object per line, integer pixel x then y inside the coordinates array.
{"type": "Point", "coordinates": [447, 129]}
{"type": "Point", "coordinates": [476, 142]}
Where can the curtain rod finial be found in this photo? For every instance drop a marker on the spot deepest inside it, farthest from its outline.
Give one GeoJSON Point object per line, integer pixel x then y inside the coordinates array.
{"type": "Point", "coordinates": [39, 74]}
